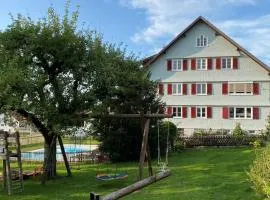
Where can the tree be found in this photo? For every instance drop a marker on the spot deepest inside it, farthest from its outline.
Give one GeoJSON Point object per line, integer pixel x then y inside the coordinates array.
{"type": "Point", "coordinates": [51, 72]}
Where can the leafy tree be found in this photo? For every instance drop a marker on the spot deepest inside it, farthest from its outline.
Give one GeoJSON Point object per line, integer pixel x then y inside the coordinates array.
{"type": "Point", "coordinates": [51, 72]}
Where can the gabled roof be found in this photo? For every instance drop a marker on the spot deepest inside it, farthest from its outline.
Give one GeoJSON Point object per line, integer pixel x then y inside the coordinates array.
{"type": "Point", "coordinates": [148, 61]}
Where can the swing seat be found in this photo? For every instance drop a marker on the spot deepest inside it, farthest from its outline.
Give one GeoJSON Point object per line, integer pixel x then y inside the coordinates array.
{"type": "Point", "coordinates": [110, 177]}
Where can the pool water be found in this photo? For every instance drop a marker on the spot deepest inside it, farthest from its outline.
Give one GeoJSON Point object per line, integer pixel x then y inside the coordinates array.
{"type": "Point", "coordinates": [71, 150]}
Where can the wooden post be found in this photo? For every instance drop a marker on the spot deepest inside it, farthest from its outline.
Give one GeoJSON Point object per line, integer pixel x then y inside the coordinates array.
{"type": "Point", "coordinates": [7, 166]}
{"type": "Point", "coordinates": [19, 158]}
{"type": "Point", "coordinates": [148, 156]}
{"type": "Point", "coordinates": [144, 147]}
{"type": "Point", "coordinates": [64, 155]}
{"type": "Point", "coordinates": [4, 174]}
{"type": "Point", "coordinates": [136, 186]}
{"type": "Point", "coordinates": [94, 196]}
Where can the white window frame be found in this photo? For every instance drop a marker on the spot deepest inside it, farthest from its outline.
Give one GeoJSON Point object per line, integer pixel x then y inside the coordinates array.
{"type": "Point", "coordinates": [245, 113]}
{"type": "Point", "coordinates": [176, 85]}
{"type": "Point", "coordinates": [199, 62]}
{"type": "Point", "coordinates": [177, 107]}
{"type": "Point", "coordinates": [239, 94]}
{"type": "Point", "coordinates": [179, 65]}
{"type": "Point", "coordinates": [201, 109]}
{"type": "Point", "coordinates": [197, 91]}
{"type": "Point", "coordinates": [201, 39]}
{"type": "Point", "coordinates": [226, 63]}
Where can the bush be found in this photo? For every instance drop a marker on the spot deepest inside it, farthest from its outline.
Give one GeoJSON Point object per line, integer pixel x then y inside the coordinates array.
{"type": "Point", "coordinates": [179, 146]}
{"type": "Point", "coordinates": [257, 143]}
{"type": "Point", "coordinates": [122, 140]}
{"type": "Point", "coordinates": [260, 172]}
{"type": "Point", "coordinates": [238, 131]}
{"type": "Point", "coordinates": [163, 132]}
{"type": "Point", "coordinates": [200, 132]}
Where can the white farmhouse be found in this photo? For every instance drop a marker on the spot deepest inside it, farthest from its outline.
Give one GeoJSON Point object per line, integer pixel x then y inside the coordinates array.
{"type": "Point", "coordinates": [208, 81]}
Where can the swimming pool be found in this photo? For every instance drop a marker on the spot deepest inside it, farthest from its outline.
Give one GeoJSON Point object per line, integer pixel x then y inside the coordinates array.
{"type": "Point", "coordinates": [72, 151]}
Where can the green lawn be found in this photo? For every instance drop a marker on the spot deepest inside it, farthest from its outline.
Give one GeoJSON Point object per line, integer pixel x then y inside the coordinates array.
{"type": "Point", "coordinates": [215, 173]}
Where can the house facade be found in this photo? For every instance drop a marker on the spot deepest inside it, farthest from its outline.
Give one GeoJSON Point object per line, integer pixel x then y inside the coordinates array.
{"type": "Point", "coordinates": [208, 81]}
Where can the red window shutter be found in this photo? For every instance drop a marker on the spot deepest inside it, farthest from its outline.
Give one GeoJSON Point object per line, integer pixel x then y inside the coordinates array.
{"type": "Point", "coordinates": [160, 89]}
{"type": "Point", "coordinates": [209, 88]}
{"type": "Point", "coordinates": [184, 89]}
{"type": "Point", "coordinates": [169, 65]}
{"type": "Point", "coordinates": [256, 89]}
{"type": "Point", "coordinates": [209, 63]}
{"type": "Point", "coordinates": [193, 64]}
{"type": "Point", "coordinates": [185, 65]}
{"type": "Point", "coordinates": [169, 110]}
{"type": "Point", "coordinates": [184, 112]}
{"type": "Point", "coordinates": [235, 63]}
{"type": "Point", "coordinates": [209, 112]}
{"type": "Point", "coordinates": [225, 113]}
{"type": "Point", "coordinates": [256, 113]}
{"type": "Point", "coordinates": [169, 89]}
{"type": "Point", "coordinates": [193, 112]}
{"type": "Point", "coordinates": [224, 88]}
{"type": "Point", "coordinates": [218, 66]}
{"type": "Point", "coordinates": [193, 88]}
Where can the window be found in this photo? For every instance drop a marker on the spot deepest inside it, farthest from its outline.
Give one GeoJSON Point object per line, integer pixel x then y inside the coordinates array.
{"type": "Point", "coordinates": [240, 88]}
{"type": "Point", "coordinates": [241, 113]}
{"type": "Point", "coordinates": [201, 88]}
{"type": "Point", "coordinates": [201, 63]}
{"type": "Point", "coordinates": [226, 63]}
{"type": "Point", "coordinates": [201, 112]}
{"type": "Point", "coordinates": [177, 111]}
{"type": "Point", "coordinates": [177, 89]}
{"type": "Point", "coordinates": [177, 64]}
{"type": "Point", "coordinates": [201, 41]}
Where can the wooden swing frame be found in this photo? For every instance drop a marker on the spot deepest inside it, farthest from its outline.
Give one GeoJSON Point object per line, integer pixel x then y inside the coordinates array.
{"type": "Point", "coordinates": [144, 154]}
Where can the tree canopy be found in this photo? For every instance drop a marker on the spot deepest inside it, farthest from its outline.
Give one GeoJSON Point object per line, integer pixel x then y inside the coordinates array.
{"type": "Point", "coordinates": [52, 70]}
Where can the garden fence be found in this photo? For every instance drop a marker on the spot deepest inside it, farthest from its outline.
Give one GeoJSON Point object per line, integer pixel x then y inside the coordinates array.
{"type": "Point", "coordinates": [220, 140]}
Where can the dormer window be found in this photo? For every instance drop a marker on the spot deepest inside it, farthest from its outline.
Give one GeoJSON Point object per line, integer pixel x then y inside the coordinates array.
{"type": "Point", "coordinates": [201, 41]}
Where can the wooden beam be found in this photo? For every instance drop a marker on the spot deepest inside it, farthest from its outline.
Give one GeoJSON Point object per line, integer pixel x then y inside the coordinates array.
{"type": "Point", "coordinates": [64, 155]}
{"type": "Point", "coordinates": [148, 115]}
{"type": "Point", "coordinates": [144, 147]}
{"type": "Point", "coordinates": [7, 166]}
{"type": "Point", "coordinates": [136, 186]}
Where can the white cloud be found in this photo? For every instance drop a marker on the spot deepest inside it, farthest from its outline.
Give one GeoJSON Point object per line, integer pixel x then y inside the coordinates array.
{"type": "Point", "coordinates": [252, 34]}
{"type": "Point", "coordinates": [168, 17]}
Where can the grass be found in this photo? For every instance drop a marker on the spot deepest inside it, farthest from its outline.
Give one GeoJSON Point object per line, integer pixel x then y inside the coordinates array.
{"type": "Point", "coordinates": [214, 173]}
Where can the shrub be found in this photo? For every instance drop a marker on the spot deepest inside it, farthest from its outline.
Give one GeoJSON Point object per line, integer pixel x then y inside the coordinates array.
{"type": "Point", "coordinates": [179, 146]}
{"type": "Point", "coordinates": [200, 132]}
{"type": "Point", "coordinates": [238, 131]}
{"type": "Point", "coordinates": [163, 131]}
{"type": "Point", "coordinates": [260, 172]}
{"type": "Point", "coordinates": [122, 141]}
{"type": "Point", "coordinates": [257, 143]}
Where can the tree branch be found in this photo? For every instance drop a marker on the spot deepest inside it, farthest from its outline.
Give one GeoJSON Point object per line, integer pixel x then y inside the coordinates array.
{"type": "Point", "coordinates": [39, 125]}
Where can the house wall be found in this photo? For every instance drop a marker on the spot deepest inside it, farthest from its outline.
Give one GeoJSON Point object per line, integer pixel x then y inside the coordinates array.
{"type": "Point", "coordinates": [248, 71]}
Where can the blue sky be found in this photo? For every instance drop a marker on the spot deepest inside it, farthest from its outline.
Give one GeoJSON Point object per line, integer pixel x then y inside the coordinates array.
{"type": "Point", "coordinates": [145, 26]}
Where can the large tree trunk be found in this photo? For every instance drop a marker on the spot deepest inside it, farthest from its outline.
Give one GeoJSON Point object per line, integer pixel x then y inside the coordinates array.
{"type": "Point", "coordinates": [50, 157]}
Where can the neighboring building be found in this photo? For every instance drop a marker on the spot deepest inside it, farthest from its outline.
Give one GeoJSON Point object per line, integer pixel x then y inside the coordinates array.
{"type": "Point", "coordinates": [208, 81]}
{"type": "Point", "coordinates": [21, 126]}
